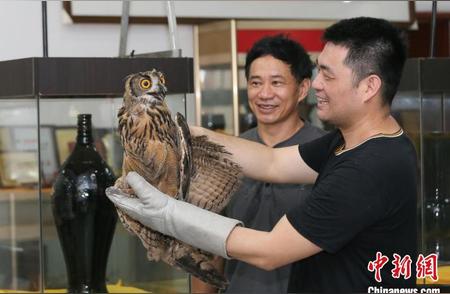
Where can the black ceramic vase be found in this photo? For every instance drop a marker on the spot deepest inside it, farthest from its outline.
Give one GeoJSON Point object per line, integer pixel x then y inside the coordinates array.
{"type": "Point", "coordinates": [85, 218]}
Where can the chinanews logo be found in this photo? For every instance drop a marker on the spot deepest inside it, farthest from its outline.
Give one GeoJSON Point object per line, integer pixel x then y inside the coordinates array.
{"type": "Point", "coordinates": [402, 290]}
{"type": "Point", "coordinates": [426, 267]}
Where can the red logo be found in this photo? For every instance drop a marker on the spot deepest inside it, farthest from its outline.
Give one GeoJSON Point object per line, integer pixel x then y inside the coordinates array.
{"type": "Point", "coordinates": [426, 266]}
{"type": "Point", "coordinates": [402, 266]}
{"type": "Point", "coordinates": [377, 265]}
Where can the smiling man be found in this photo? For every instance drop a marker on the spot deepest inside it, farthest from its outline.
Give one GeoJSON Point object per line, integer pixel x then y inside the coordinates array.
{"type": "Point", "coordinates": [364, 196]}
{"type": "Point", "coordinates": [278, 72]}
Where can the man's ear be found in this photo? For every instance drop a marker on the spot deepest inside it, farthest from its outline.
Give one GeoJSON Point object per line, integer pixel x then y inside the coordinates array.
{"type": "Point", "coordinates": [303, 89]}
{"type": "Point", "coordinates": [371, 87]}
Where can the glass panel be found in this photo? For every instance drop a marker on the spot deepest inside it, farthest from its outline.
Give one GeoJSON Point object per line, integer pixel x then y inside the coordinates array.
{"type": "Point", "coordinates": [19, 196]}
{"type": "Point", "coordinates": [128, 268]}
{"type": "Point", "coordinates": [406, 110]}
{"type": "Point", "coordinates": [436, 176]}
{"type": "Point", "coordinates": [425, 118]}
{"type": "Point", "coordinates": [215, 76]}
{"type": "Point", "coordinates": [217, 103]}
{"type": "Point", "coordinates": [247, 119]}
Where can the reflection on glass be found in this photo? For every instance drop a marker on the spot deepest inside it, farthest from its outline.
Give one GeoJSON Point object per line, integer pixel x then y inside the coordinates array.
{"type": "Point", "coordinates": [217, 99]}
{"type": "Point", "coordinates": [436, 147]}
{"type": "Point", "coordinates": [128, 268]}
{"type": "Point", "coordinates": [215, 75]}
{"type": "Point", "coordinates": [405, 109]}
{"type": "Point", "coordinates": [19, 196]}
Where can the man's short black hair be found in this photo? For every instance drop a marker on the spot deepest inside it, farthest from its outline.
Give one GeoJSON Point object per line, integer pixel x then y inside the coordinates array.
{"type": "Point", "coordinates": [284, 49]}
{"type": "Point", "coordinates": [375, 47]}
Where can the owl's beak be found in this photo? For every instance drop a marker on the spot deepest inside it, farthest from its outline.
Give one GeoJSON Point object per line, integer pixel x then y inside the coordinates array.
{"type": "Point", "coordinates": [163, 89]}
{"type": "Point", "coordinates": [156, 96]}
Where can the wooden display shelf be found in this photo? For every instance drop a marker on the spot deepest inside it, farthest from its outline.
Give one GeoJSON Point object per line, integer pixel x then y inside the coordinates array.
{"type": "Point", "coordinates": [25, 232]}
{"type": "Point", "coordinates": [23, 194]}
{"type": "Point", "coordinates": [19, 217]}
{"type": "Point", "coordinates": [89, 77]}
{"type": "Point", "coordinates": [171, 286]}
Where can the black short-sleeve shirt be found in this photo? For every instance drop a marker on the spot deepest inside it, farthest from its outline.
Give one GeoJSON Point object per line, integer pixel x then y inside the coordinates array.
{"type": "Point", "coordinates": [363, 201]}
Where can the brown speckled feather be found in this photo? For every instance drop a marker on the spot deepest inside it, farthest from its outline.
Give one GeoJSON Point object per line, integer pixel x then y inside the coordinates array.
{"type": "Point", "coordinates": [161, 150]}
{"type": "Point", "coordinates": [215, 176]}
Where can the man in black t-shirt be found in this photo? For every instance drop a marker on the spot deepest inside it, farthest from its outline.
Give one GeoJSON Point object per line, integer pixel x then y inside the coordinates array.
{"type": "Point", "coordinates": [362, 208]}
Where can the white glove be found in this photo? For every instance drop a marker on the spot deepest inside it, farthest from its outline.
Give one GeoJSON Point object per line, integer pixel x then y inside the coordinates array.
{"type": "Point", "coordinates": [186, 222]}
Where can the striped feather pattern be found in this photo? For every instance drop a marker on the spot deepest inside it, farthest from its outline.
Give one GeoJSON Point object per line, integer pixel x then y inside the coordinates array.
{"type": "Point", "coordinates": [157, 148]}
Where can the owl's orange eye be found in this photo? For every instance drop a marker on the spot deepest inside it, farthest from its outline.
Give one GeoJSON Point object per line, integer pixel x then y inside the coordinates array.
{"type": "Point", "coordinates": [162, 79]}
{"type": "Point", "coordinates": [145, 84]}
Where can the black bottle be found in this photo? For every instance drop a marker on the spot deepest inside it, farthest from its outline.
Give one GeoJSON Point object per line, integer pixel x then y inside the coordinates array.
{"type": "Point", "coordinates": [85, 218]}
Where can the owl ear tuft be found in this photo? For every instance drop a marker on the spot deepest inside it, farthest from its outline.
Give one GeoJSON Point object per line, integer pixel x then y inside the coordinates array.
{"type": "Point", "coordinates": [125, 79]}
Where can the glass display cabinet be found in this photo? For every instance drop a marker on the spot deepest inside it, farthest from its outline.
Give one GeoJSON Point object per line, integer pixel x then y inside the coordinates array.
{"type": "Point", "coordinates": [422, 106]}
{"type": "Point", "coordinates": [40, 99]}
{"type": "Point", "coordinates": [216, 76]}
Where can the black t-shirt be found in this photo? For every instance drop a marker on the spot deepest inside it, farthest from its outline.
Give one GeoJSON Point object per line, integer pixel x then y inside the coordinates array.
{"type": "Point", "coordinates": [363, 201]}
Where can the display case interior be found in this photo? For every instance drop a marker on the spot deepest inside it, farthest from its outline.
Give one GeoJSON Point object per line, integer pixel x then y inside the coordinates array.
{"type": "Point", "coordinates": [40, 99]}
{"type": "Point", "coordinates": [422, 106]}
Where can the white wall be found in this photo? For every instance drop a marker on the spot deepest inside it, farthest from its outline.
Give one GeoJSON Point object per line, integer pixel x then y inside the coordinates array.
{"type": "Point", "coordinates": [21, 34]}
{"type": "Point", "coordinates": [21, 30]}
{"type": "Point", "coordinates": [21, 37]}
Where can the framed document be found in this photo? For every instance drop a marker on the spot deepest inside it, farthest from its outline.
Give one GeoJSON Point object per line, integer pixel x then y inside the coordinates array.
{"type": "Point", "coordinates": [114, 151]}
{"type": "Point", "coordinates": [49, 157]}
{"type": "Point", "coordinates": [19, 168]}
{"type": "Point", "coordinates": [18, 138]}
{"type": "Point", "coordinates": [66, 139]}
{"type": "Point", "coordinates": [20, 144]}
{"type": "Point", "coordinates": [24, 138]}
{"type": "Point", "coordinates": [65, 142]}
{"type": "Point", "coordinates": [5, 139]}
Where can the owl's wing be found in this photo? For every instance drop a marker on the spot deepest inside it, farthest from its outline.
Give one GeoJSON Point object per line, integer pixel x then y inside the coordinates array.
{"type": "Point", "coordinates": [215, 177]}
{"type": "Point", "coordinates": [185, 152]}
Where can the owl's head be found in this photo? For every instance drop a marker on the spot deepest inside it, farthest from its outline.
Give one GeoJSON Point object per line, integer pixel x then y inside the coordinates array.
{"type": "Point", "coordinates": [146, 87]}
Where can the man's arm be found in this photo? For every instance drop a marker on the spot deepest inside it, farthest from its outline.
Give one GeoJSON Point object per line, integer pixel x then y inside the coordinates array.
{"type": "Point", "coordinates": [209, 231]}
{"type": "Point", "coordinates": [275, 165]}
{"type": "Point", "coordinates": [270, 250]}
{"type": "Point", "coordinates": [265, 250]}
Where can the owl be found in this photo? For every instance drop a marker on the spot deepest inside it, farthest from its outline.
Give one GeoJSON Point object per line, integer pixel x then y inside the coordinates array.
{"type": "Point", "coordinates": [187, 168]}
